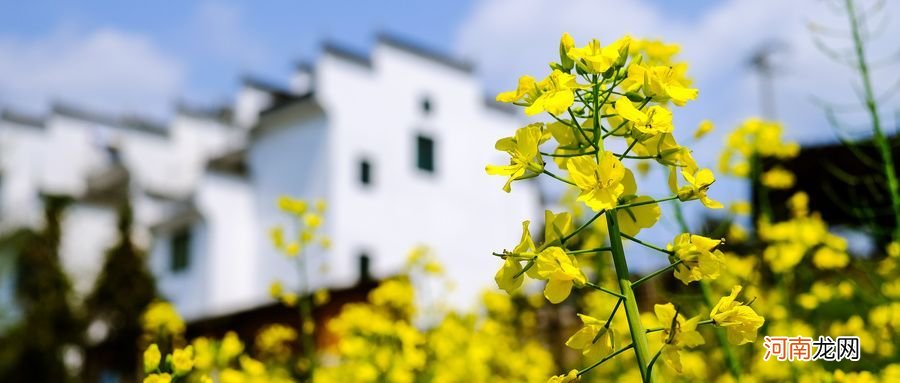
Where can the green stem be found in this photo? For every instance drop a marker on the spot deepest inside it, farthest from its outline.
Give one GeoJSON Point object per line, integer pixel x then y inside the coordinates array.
{"type": "Point", "coordinates": [639, 242]}
{"type": "Point", "coordinates": [605, 290]}
{"type": "Point", "coordinates": [700, 323]}
{"type": "Point", "coordinates": [545, 171]}
{"type": "Point", "coordinates": [613, 313]}
{"type": "Point", "coordinates": [594, 250]}
{"type": "Point", "coordinates": [582, 227]}
{"type": "Point", "coordinates": [625, 153]}
{"type": "Point", "coordinates": [881, 141]}
{"type": "Point", "coordinates": [632, 313]}
{"type": "Point", "coordinates": [608, 357]}
{"type": "Point", "coordinates": [657, 272]}
{"type": "Point", "coordinates": [636, 204]}
{"type": "Point", "coordinates": [653, 361]}
{"type": "Point", "coordinates": [306, 317]}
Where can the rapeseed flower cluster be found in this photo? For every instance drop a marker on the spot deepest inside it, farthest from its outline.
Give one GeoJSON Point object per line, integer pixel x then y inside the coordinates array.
{"type": "Point", "coordinates": [609, 104]}
{"type": "Point", "coordinates": [378, 340]}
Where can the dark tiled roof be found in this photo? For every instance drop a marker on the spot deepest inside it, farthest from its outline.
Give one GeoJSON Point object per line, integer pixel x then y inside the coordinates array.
{"type": "Point", "coordinates": [221, 113]}
{"type": "Point", "coordinates": [279, 104]}
{"type": "Point", "coordinates": [423, 51]}
{"type": "Point", "coordinates": [337, 50]}
{"type": "Point", "coordinates": [130, 121]}
{"type": "Point", "coordinates": [22, 118]}
{"type": "Point", "coordinates": [233, 162]}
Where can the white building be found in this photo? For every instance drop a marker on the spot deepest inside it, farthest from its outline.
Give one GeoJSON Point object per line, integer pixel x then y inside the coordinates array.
{"type": "Point", "coordinates": [395, 142]}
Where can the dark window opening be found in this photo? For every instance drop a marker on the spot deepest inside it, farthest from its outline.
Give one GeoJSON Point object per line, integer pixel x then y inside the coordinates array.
{"type": "Point", "coordinates": [425, 153]}
{"type": "Point", "coordinates": [426, 105]}
{"type": "Point", "coordinates": [365, 172]}
{"type": "Point", "coordinates": [180, 250]}
{"type": "Point", "coordinates": [365, 272]}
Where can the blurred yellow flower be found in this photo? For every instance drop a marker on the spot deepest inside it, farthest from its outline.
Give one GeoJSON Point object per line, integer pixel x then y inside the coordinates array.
{"type": "Point", "coordinates": [703, 129]}
{"type": "Point", "coordinates": [158, 378]}
{"type": "Point", "coordinates": [777, 178]}
{"type": "Point", "coordinates": [182, 361]}
{"type": "Point", "coordinates": [572, 376]}
{"type": "Point", "coordinates": [151, 358]}
{"type": "Point", "coordinates": [161, 317]}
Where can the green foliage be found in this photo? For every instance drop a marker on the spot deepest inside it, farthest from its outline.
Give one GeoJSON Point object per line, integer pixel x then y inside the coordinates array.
{"type": "Point", "coordinates": [122, 291]}
{"type": "Point", "coordinates": [33, 351]}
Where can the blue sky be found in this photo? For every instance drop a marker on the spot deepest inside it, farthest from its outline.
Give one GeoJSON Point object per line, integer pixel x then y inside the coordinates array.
{"type": "Point", "coordinates": [213, 43]}
{"type": "Point", "coordinates": [270, 35]}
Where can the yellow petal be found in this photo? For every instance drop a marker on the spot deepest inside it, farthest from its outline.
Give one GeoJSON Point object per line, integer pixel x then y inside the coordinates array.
{"type": "Point", "coordinates": [557, 290]}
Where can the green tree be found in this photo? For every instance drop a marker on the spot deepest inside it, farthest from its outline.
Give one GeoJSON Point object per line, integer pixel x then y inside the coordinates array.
{"type": "Point", "coordinates": [33, 351]}
{"type": "Point", "coordinates": [121, 293]}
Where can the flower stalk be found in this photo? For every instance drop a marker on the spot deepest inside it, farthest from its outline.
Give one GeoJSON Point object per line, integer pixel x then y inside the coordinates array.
{"type": "Point", "coordinates": [632, 313]}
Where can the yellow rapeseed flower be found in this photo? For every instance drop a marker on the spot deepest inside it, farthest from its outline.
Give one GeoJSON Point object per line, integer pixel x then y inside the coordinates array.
{"type": "Point", "coordinates": [161, 316]}
{"type": "Point", "coordinates": [151, 358]}
{"type": "Point", "coordinates": [661, 82]}
{"type": "Point", "coordinates": [292, 205]}
{"type": "Point", "coordinates": [571, 377]}
{"type": "Point", "coordinates": [594, 58]}
{"type": "Point", "coordinates": [600, 183]}
{"type": "Point", "coordinates": [158, 378]}
{"type": "Point", "coordinates": [699, 257]}
{"type": "Point", "coordinates": [557, 94]}
{"type": "Point", "coordinates": [677, 333]}
{"type": "Point", "coordinates": [739, 319]}
{"type": "Point", "coordinates": [703, 129]}
{"type": "Point", "coordinates": [777, 178]}
{"type": "Point", "coordinates": [656, 120]}
{"type": "Point", "coordinates": [595, 340]}
{"type": "Point", "coordinates": [561, 272]}
{"type": "Point", "coordinates": [699, 181]}
{"type": "Point", "coordinates": [523, 153]}
{"type": "Point", "coordinates": [182, 361]}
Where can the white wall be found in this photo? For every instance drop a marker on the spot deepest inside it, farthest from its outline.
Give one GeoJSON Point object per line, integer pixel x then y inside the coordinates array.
{"type": "Point", "coordinates": [21, 158]}
{"type": "Point", "coordinates": [288, 156]}
{"type": "Point", "coordinates": [459, 211]}
{"type": "Point", "coordinates": [229, 209]}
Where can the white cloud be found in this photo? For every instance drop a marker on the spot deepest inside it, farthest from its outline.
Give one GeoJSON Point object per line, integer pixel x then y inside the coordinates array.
{"type": "Point", "coordinates": [105, 69]}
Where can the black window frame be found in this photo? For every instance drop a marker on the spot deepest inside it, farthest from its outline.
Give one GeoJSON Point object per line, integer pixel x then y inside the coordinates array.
{"type": "Point", "coordinates": [365, 172]}
{"type": "Point", "coordinates": [426, 105]}
{"type": "Point", "coordinates": [180, 249]}
{"type": "Point", "coordinates": [426, 150]}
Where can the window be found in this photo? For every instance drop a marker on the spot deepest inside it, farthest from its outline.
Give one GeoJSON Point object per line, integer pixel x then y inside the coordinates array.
{"type": "Point", "coordinates": [426, 105]}
{"type": "Point", "coordinates": [180, 250]}
{"type": "Point", "coordinates": [425, 153]}
{"type": "Point", "coordinates": [365, 272]}
{"type": "Point", "coordinates": [365, 172]}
